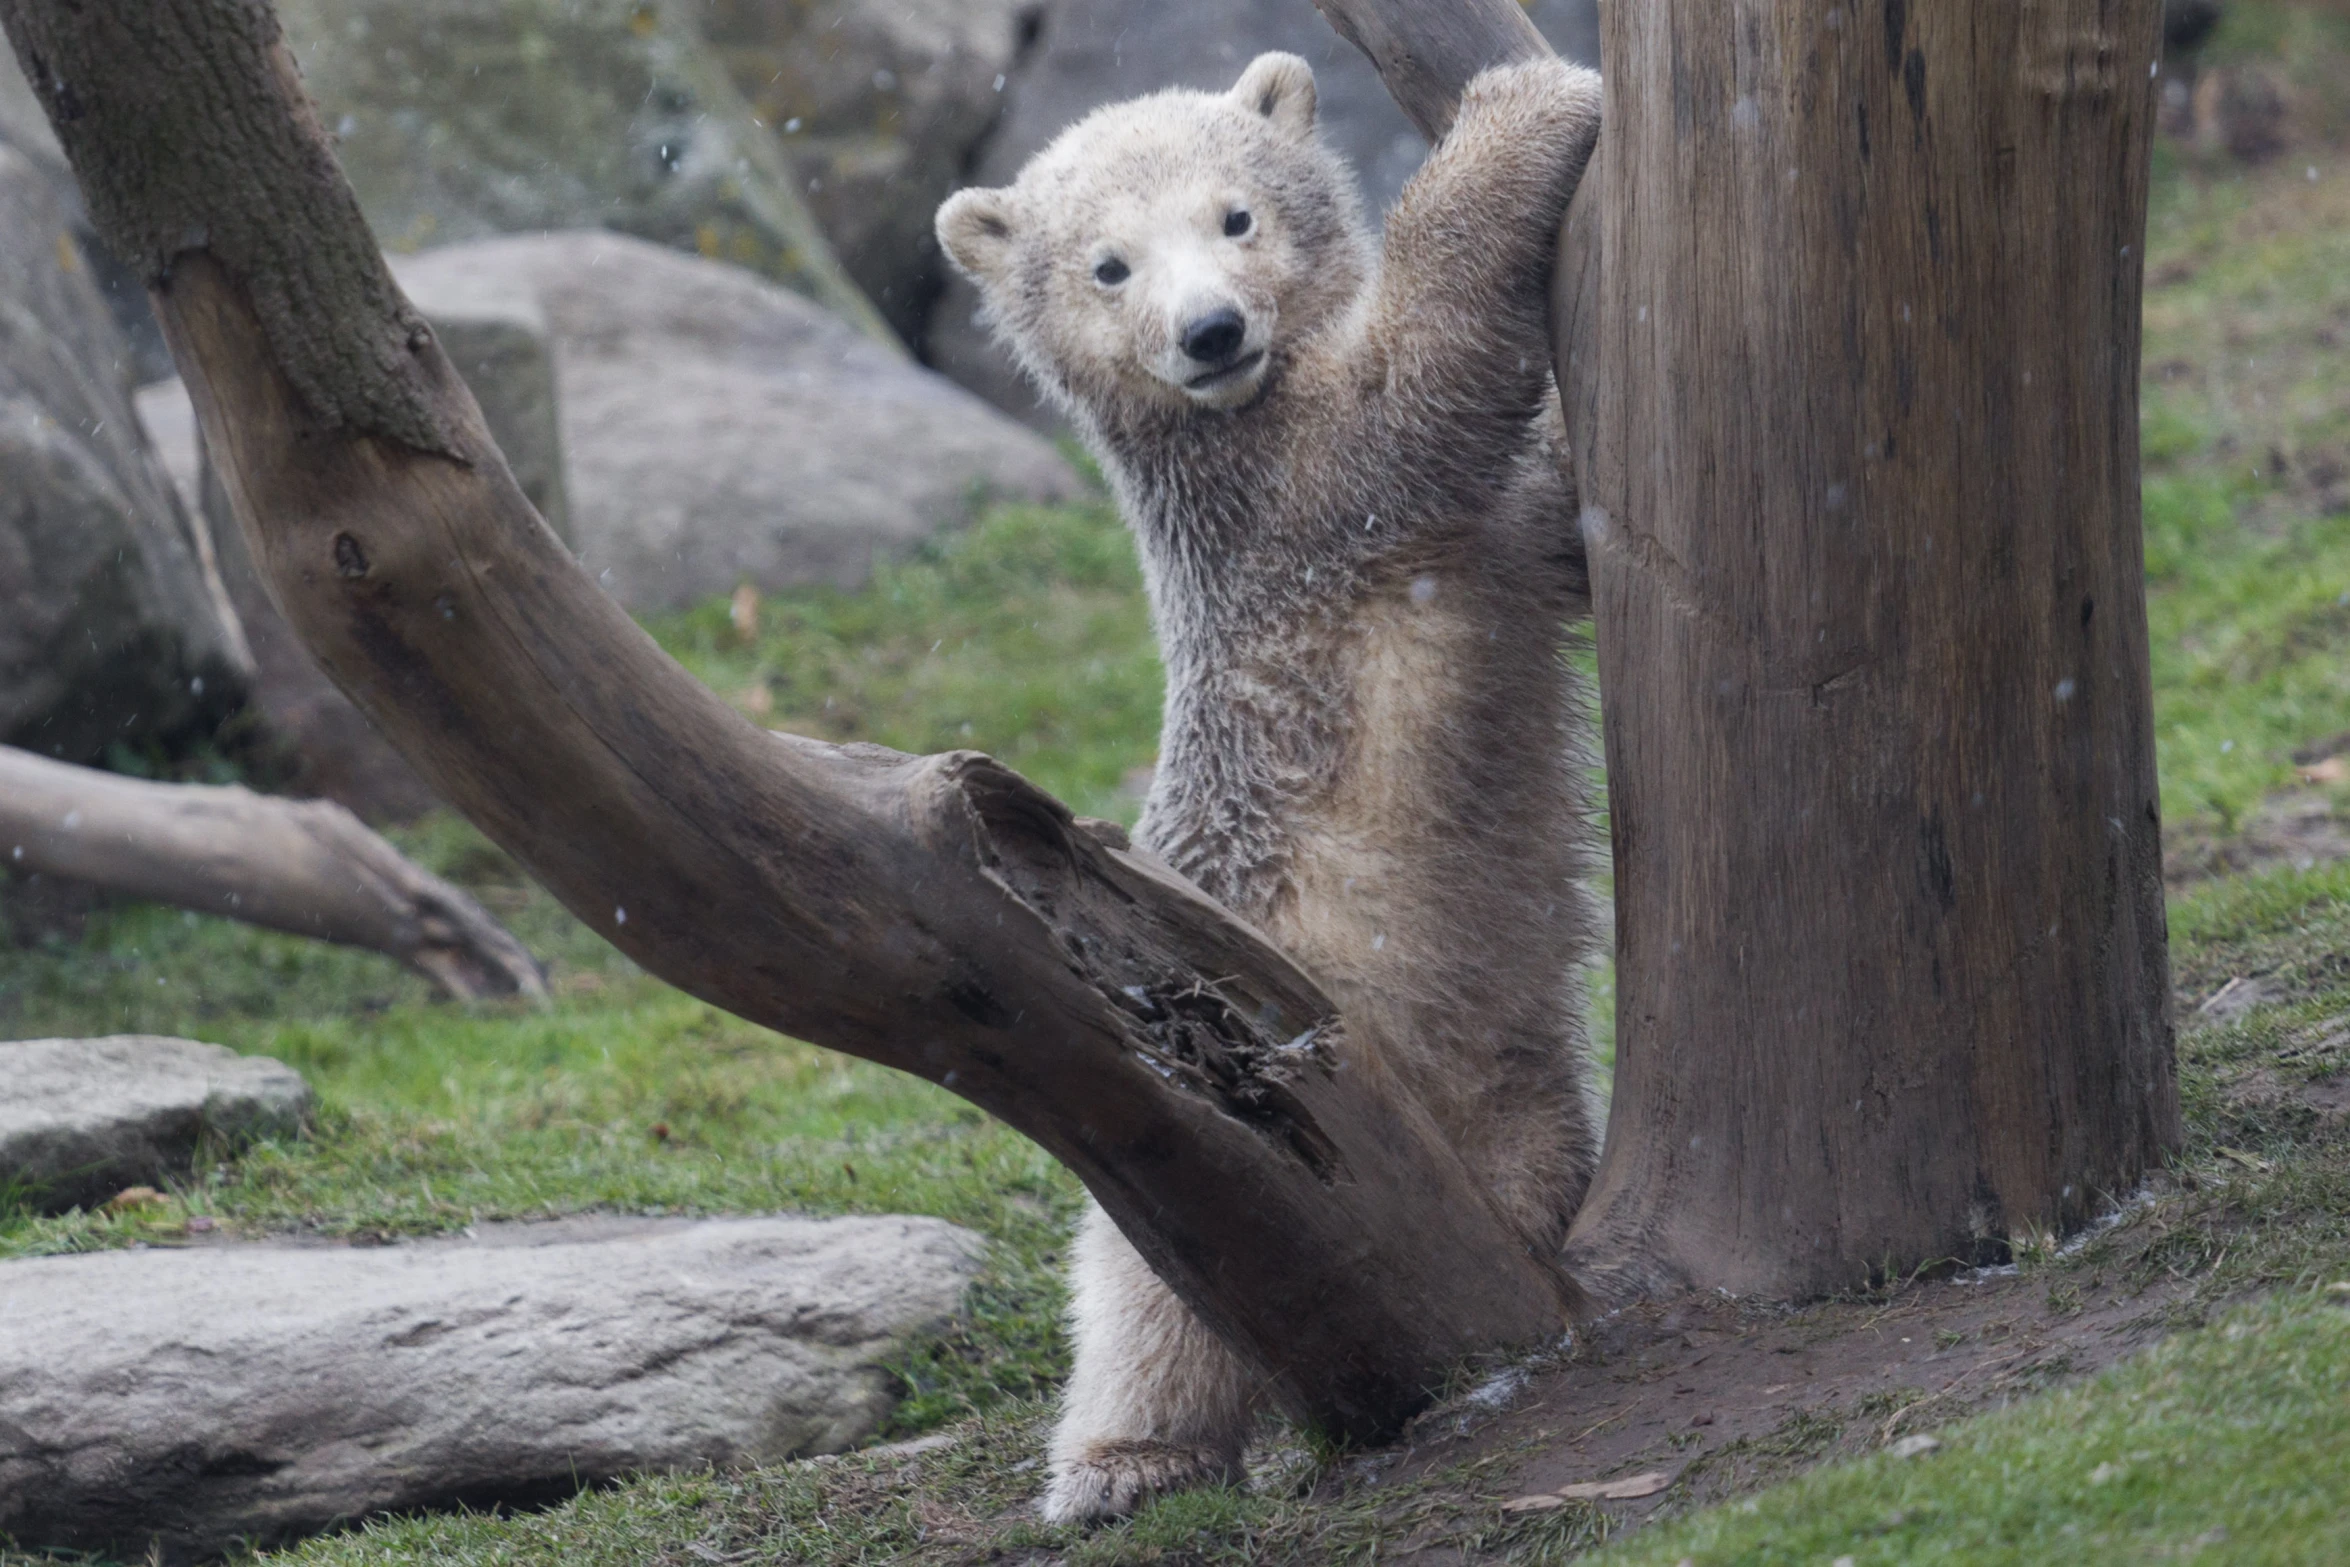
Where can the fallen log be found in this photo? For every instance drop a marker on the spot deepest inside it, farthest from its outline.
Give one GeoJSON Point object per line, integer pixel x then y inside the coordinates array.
{"type": "Point", "coordinates": [304, 866]}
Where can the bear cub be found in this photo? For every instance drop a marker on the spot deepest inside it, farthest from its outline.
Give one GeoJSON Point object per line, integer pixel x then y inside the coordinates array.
{"type": "Point", "coordinates": [1339, 457]}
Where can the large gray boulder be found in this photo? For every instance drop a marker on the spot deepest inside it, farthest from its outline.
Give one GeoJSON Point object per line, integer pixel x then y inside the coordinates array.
{"type": "Point", "coordinates": [24, 125]}
{"type": "Point", "coordinates": [717, 429]}
{"type": "Point", "coordinates": [880, 104]}
{"type": "Point", "coordinates": [1092, 52]}
{"type": "Point", "coordinates": [114, 626]}
{"type": "Point", "coordinates": [200, 1396]}
{"type": "Point", "coordinates": [80, 1119]}
{"type": "Point", "coordinates": [456, 120]}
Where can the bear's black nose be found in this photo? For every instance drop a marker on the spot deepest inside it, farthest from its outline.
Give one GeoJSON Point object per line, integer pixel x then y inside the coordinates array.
{"type": "Point", "coordinates": [1213, 337]}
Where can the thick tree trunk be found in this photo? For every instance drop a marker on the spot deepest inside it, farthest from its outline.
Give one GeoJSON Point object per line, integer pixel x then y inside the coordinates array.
{"type": "Point", "coordinates": [937, 914]}
{"type": "Point", "coordinates": [1848, 326]}
{"type": "Point", "coordinates": [305, 866]}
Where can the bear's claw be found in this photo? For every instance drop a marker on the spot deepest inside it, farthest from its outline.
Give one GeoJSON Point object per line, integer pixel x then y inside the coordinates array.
{"type": "Point", "coordinates": [1112, 1479]}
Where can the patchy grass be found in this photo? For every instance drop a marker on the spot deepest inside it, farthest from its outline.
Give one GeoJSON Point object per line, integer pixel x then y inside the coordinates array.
{"type": "Point", "coordinates": [2262, 1198]}
{"type": "Point", "coordinates": [2247, 488]}
{"type": "Point", "coordinates": [2230, 1441]}
{"type": "Point", "coordinates": [2227, 1445]}
{"type": "Point", "coordinates": [1024, 637]}
{"type": "Point", "coordinates": [968, 1502]}
{"type": "Point", "coordinates": [2247, 447]}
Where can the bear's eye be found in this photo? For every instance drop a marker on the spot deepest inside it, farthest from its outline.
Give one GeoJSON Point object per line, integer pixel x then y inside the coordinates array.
{"type": "Point", "coordinates": [1109, 272]}
{"type": "Point", "coordinates": [1237, 222]}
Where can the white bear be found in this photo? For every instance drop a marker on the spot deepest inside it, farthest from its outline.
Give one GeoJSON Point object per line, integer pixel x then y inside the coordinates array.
{"type": "Point", "coordinates": [1339, 460]}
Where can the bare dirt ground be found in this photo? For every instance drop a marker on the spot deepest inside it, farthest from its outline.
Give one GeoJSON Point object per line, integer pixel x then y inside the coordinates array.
{"type": "Point", "coordinates": [1721, 1397]}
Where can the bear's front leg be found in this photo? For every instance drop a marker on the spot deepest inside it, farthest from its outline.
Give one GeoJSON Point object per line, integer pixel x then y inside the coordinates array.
{"type": "Point", "coordinates": [1155, 1402]}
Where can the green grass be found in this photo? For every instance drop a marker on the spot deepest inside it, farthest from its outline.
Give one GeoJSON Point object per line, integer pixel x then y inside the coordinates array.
{"type": "Point", "coordinates": [2246, 433]}
{"type": "Point", "coordinates": [1024, 637]}
{"type": "Point", "coordinates": [626, 1095]}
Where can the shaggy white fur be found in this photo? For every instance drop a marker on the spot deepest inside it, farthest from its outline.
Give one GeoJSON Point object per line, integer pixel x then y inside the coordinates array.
{"type": "Point", "coordinates": [1341, 462]}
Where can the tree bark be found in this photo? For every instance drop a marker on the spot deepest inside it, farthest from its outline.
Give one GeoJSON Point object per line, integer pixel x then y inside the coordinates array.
{"type": "Point", "coordinates": [305, 866]}
{"type": "Point", "coordinates": [940, 915]}
{"type": "Point", "coordinates": [1847, 321]}
{"type": "Point", "coordinates": [1426, 50]}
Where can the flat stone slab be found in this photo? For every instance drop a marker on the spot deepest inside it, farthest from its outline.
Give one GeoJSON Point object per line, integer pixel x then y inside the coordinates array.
{"type": "Point", "coordinates": [80, 1119]}
{"type": "Point", "coordinates": [191, 1397]}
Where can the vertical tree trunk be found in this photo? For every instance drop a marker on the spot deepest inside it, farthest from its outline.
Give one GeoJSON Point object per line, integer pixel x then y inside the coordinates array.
{"type": "Point", "coordinates": [1847, 321]}
{"type": "Point", "coordinates": [1861, 497]}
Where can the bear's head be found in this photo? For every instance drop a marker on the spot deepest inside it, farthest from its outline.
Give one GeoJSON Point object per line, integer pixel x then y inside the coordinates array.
{"type": "Point", "coordinates": [1172, 249]}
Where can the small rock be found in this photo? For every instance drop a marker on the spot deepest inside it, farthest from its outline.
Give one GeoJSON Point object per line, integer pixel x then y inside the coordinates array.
{"type": "Point", "coordinates": [197, 1396]}
{"type": "Point", "coordinates": [82, 1119]}
{"type": "Point", "coordinates": [742, 612]}
{"type": "Point", "coordinates": [1914, 1446]}
{"type": "Point", "coordinates": [914, 1447]}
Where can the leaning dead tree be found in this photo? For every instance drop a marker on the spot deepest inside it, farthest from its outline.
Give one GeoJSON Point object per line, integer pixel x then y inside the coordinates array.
{"type": "Point", "coordinates": [1847, 322]}
{"type": "Point", "coordinates": [1792, 775]}
{"type": "Point", "coordinates": [304, 866]}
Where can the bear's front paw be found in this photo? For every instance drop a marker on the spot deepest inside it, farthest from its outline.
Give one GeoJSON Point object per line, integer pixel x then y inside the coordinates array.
{"type": "Point", "coordinates": [1111, 1479]}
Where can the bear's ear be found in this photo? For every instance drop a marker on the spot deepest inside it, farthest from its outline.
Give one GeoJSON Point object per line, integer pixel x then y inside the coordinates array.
{"type": "Point", "coordinates": [975, 230]}
{"type": "Point", "coordinates": [1281, 88]}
